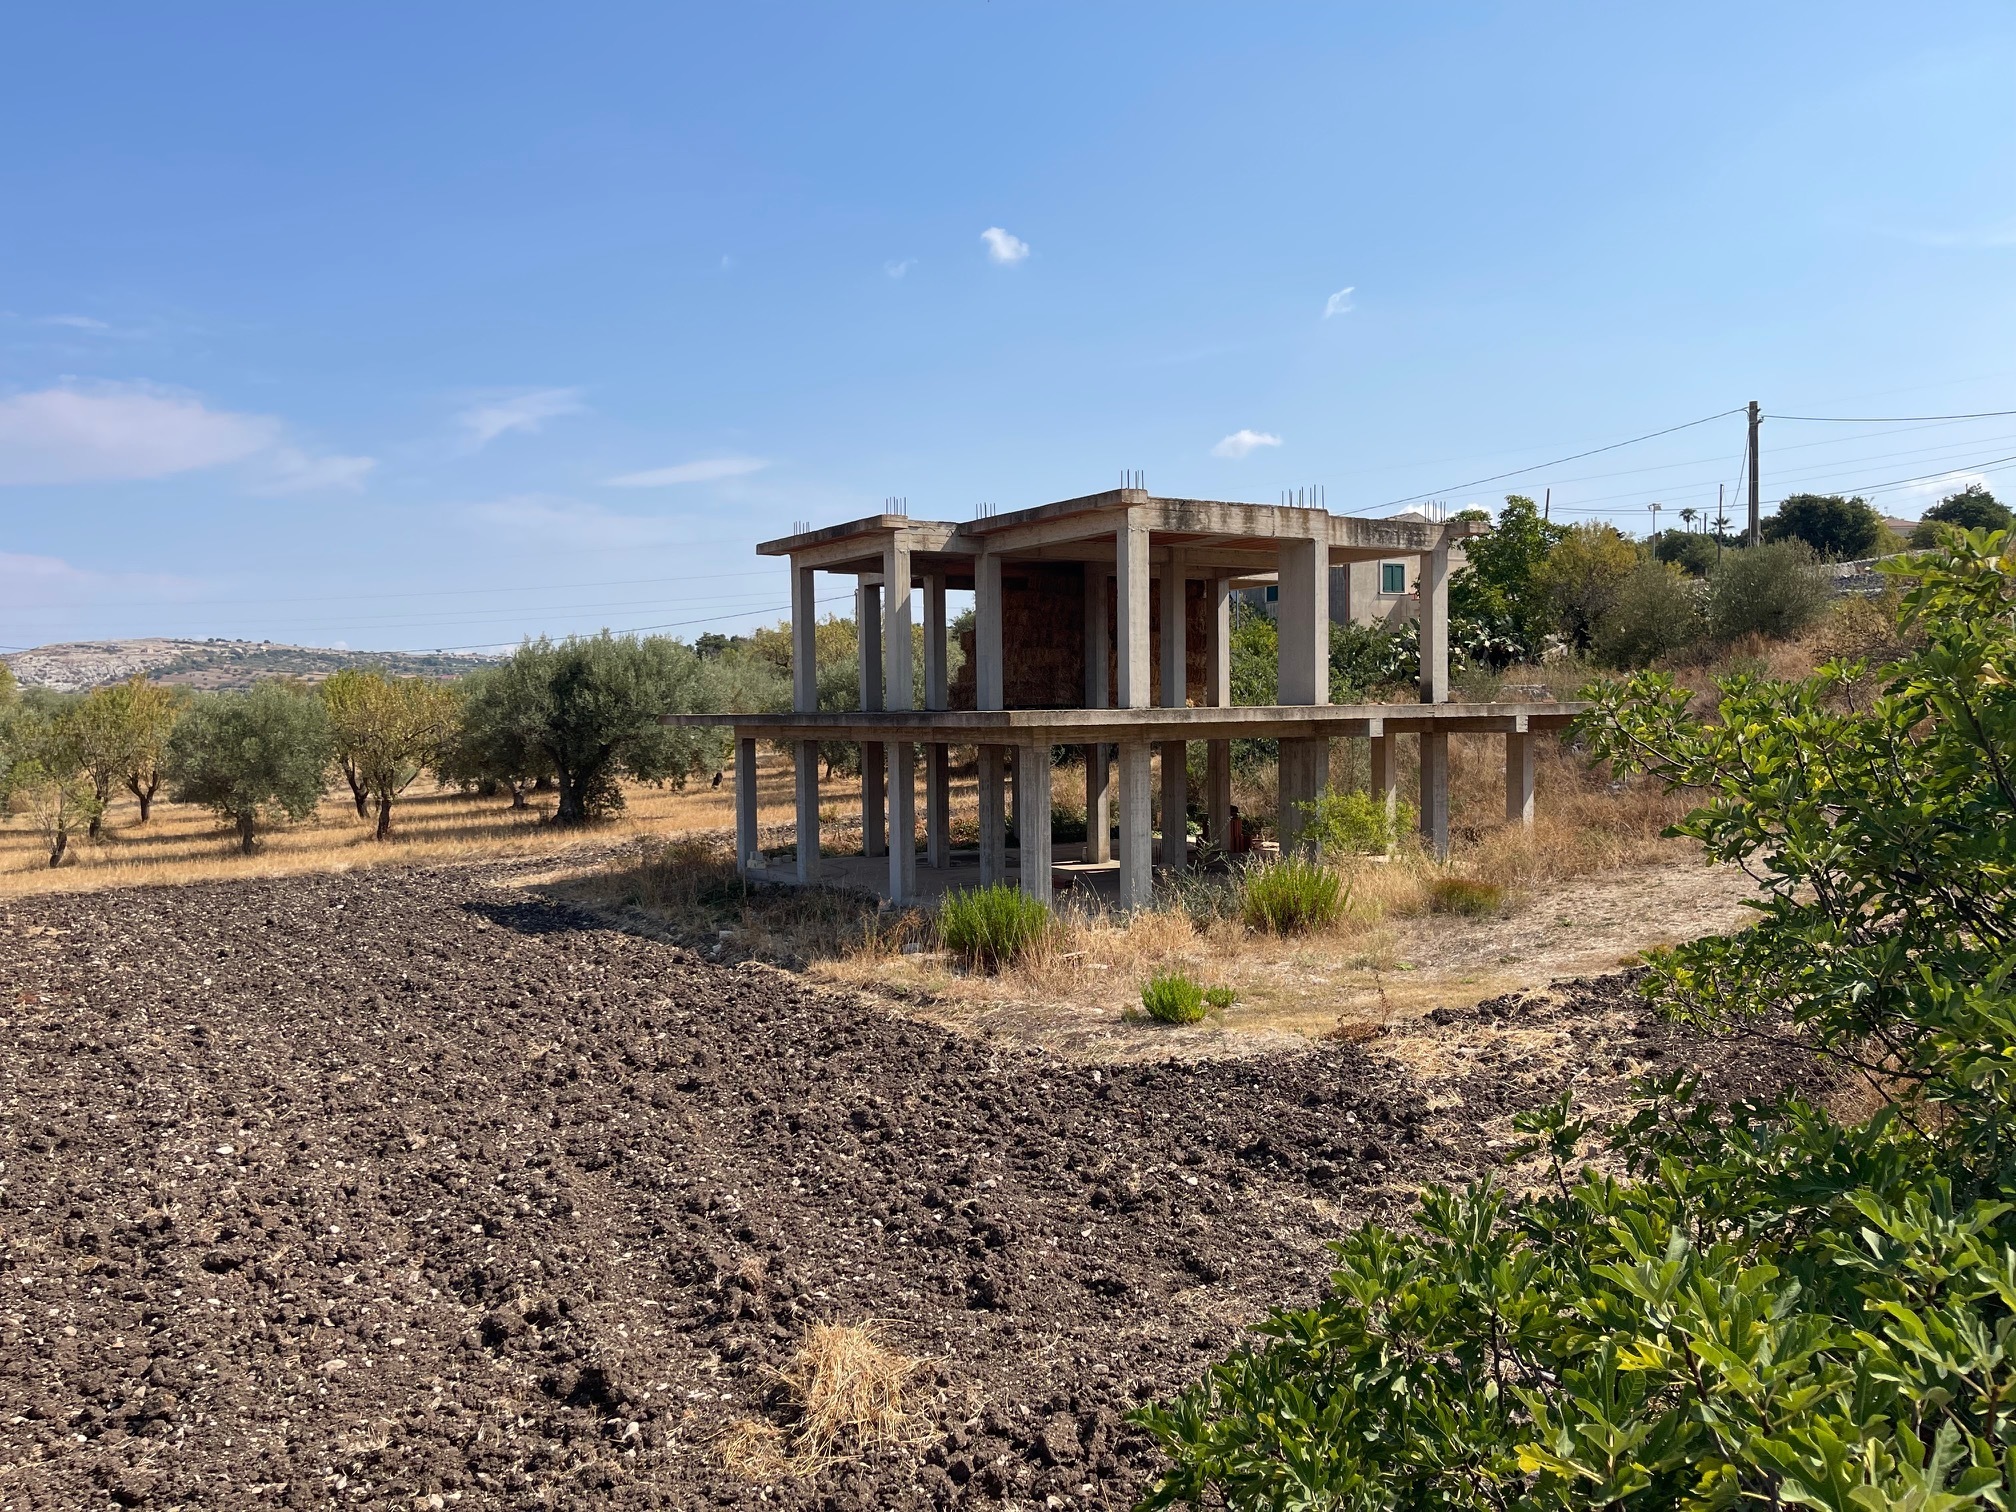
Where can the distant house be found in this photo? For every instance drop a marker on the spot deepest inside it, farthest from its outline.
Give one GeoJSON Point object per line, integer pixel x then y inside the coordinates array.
{"type": "Point", "coordinates": [1370, 593]}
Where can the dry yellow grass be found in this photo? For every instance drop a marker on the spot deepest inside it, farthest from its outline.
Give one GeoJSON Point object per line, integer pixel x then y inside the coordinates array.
{"type": "Point", "coordinates": [846, 1386]}
{"type": "Point", "coordinates": [181, 843]}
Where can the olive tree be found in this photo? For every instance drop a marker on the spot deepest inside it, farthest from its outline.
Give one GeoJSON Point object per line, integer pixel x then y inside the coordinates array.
{"type": "Point", "coordinates": [590, 704]}
{"type": "Point", "coordinates": [251, 757]}
{"type": "Point", "coordinates": [489, 747]}
{"type": "Point", "coordinates": [120, 732]}
{"type": "Point", "coordinates": [42, 775]}
{"type": "Point", "coordinates": [384, 731]}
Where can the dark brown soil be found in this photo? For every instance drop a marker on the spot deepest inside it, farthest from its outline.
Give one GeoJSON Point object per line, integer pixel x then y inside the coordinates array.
{"type": "Point", "coordinates": [400, 1190]}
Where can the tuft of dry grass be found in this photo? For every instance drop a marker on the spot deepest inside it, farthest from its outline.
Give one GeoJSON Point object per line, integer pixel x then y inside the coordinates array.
{"type": "Point", "coordinates": [753, 1450]}
{"type": "Point", "coordinates": [847, 1385]}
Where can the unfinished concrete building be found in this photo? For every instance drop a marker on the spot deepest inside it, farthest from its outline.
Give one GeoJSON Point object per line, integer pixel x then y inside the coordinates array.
{"type": "Point", "coordinates": [1102, 623]}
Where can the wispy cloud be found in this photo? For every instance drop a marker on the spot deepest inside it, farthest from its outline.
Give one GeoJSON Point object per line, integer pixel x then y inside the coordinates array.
{"type": "Point", "coordinates": [1920, 497]}
{"type": "Point", "coordinates": [74, 322]}
{"type": "Point", "coordinates": [40, 582]}
{"type": "Point", "coordinates": [896, 269]}
{"type": "Point", "coordinates": [490, 418]}
{"type": "Point", "coordinates": [289, 470]}
{"type": "Point", "coordinates": [1003, 247]}
{"type": "Point", "coordinates": [706, 470]}
{"type": "Point", "coordinates": [1243, 442]}
{"type": "Point", "coordinates": [130, 433]}
{"type": "Point", "coordinates": [1340, 302]}
{"type": "Point", "coordinates": [571, 522]}
{"type": "Point", "coordinates": [120, 433]}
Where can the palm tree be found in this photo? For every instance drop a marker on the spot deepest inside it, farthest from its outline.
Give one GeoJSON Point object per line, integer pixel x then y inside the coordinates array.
{"type": "Point", "coordinates": [1687, 515]}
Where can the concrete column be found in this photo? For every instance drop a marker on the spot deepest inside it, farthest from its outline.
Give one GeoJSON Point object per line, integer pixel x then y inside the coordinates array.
{"type": "Point", "coordinates": [993, 821]}
{"type": "Point", "coordinates": [1014, 762]}
{"type": "Point", "coordinates": [1304, 619]}
{"type": "Point", "coordinates": [804, 646]}
{"type": "Point", "coordinates": [1435, 626]}
{"type": "Point", "coordinates": [935, 696]}
{"type": "Point", "coordinates": [902, 822]}
{"type": "Point", "coordinates": [1098, 695]}
{"type": "Point", "coordinates": [1386, 776]}
{"type": "Point", "coordinates": [1175, 638]}
{"type": "Point", "coordinates": [748, 844]}
{"type": "Point", "coordinates": [1137, 887]}
{"type": "Point", "coordinates": [899, 677]}
{"type": "Point", "coordinates": [1305, 769]}
{"type": "Point", "coordinates": [808, 811]}
{"type": "Point", "coordinates": [1218, 695]}
{"type": "Point", "coordinates": [868, 646]}
{"type": "Point", "coordinates": [1032, 765]}
{"type": "Point", "coordinates": [1435, 792]}
{"type": "Point", "coordinates": [1131, 597]}
{"type": "Point", "coordinates": [872, 784]}
{"type": "Point", "coordinates": [938, 805]}
{"type": "Point", "coordinates": [1519, 765]}
{"type": "Point", "coordinates": [1098, 804]}
{"type": "Point", "coordinates": [987, 671]}
{"type": "Point", "coordinates": [1175, 803]}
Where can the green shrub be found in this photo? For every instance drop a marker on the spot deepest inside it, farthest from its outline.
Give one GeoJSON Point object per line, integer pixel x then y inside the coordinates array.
{"type": "Point", "coordinates": [1290, 896]}
{"type": "Point", "coordinates": [1657, 610]}
{"type": "Point", "coordinates": [1765, 590]}
{"type": "Point", "coordinates": [1173, 997]}
{"type": "Point", "coordinates": [1751, 1306]}
{"type": "Point", "coordinates": [1465, 895]}
{"type": "Point", "coordinates": [992, 926]}
{"type": "Point", "coordinates": [1353, 824]}
{"type": "Point", "coordinates": [1220, 997]}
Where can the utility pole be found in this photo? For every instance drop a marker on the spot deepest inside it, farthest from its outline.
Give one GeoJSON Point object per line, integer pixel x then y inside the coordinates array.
{"type": "Point", "coordinates": [1755, 420]}
{"type": "Point", "coordinates": [1655, 508]}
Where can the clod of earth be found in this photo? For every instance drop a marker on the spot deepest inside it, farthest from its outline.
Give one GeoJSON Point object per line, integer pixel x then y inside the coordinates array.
{"type": "Point", "coordinates": [381, 1188]}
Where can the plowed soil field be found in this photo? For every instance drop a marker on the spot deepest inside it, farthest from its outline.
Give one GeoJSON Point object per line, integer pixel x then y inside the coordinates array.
{"type": "Point", "coordinates": [402, 1189]}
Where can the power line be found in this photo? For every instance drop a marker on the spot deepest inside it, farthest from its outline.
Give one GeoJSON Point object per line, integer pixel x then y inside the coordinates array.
{"type": "Point", "coordinates": [1557, 462]}
{"type": "Point", "coordinates": [833, 598]}
{"type": "Point", "coordinates": [1889, 419]}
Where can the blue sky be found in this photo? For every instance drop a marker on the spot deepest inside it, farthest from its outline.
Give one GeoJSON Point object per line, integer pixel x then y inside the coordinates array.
{"type": "Point", "coordinates": [416, 326]}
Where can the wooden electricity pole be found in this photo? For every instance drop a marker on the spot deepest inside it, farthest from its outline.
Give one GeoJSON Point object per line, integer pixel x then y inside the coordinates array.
{"type": "Point", "coordinates": [1755, 420]}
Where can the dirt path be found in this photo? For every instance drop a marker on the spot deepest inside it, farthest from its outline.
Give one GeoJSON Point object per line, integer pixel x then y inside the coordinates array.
{"type": "Point", "coordinates": [401, 1190]}
{"type": "Point", "coordinates": [1379, 977]}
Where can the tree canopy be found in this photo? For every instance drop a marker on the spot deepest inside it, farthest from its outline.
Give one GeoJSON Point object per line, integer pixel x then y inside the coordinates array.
{"type": "Point", "coordinates": [1973, 508]}
{"type": "Point", "coordinates": [590, 704]}
{"type": "Point", "coordinates": [253, 758]}
{"type": "Point", "coordinates": [1838, 529]}
{"type": "Point", "coordinates": [1758, 1305]}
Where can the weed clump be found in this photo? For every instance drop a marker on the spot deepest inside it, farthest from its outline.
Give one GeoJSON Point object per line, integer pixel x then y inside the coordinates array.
{"type": "Point", "coordinates": [1353, 824]}
{"type": "Point", "coordinates": [1173, 997]}
{"type": "Point", "coordinates": [1465, 895]}
{"type": "Point", "coordinates": [1220, 998]}
{"type": "Point", "coordinates": [1290, 896]}
{"type": "Point", "coordinates": [992, 926]}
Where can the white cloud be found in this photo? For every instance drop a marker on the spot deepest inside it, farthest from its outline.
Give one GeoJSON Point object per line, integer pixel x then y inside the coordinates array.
{"type": "Point", "coordinates": [40, 582]}
{"type": "Point", "coordinates": [707, 470]}
{"type": "Point", "coordinates": [575, 523]}
{"type": "Point", "coordinates": [1002, 247]}
{"type": "Point", "coordinates": [1920, 497]}
{"type": "Point", "coordinates": [120, 433]}
{"type": "Point", "coordinates": [897, 269]}
{"type": "Point", "coordinates": [1242, 442]}
{"type": "Point", "coordinates": [289, 470]}
{"type": "Point", "coordinates": [491, 418]}
{"type": "Point", "coordinates": [75, 322]}
{"type": "Point", "coordinates": [1340, 302]}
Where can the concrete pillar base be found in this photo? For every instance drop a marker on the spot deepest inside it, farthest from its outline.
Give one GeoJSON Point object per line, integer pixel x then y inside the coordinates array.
{"type": "Point", "coordinates": [1519, 766]}
{"type": "Point", "coordinates": [1435, 793]}
{"type": "Point", "coordinates": [1175, 804]}
{"type": "Point", "coordinates": [1305, 771]}
{"type": "Point", "coordinates": [1098, 804]}
{"type": "Point", "coordinates": [1032, 766]}
{"type": "Point", "coordinates": [993, 817]}
{"type": "Point", "coordinates": [938, 805]}
{"type": "Point", "coordinates": [872, 843]}
{"type": "Point", "coordinates": [1137, 881]}
{"type": "Point", "coordinates": [808, 811]}
{"type": "Point", "coordinates": [902, 822]}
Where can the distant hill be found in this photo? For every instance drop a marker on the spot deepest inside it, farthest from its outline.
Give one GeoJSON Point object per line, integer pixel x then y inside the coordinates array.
{"type": "Point", "coordinates": [217, 664]}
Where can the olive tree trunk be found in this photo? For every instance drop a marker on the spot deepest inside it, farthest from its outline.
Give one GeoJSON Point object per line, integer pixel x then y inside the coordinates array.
{"type": "Point", "coordinates": [246, 823]}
